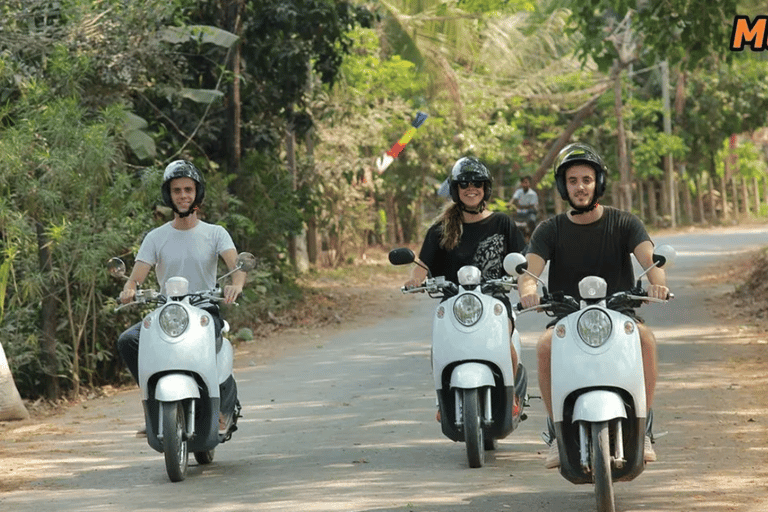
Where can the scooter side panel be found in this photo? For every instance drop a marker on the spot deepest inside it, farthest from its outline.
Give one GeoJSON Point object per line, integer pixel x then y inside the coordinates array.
{"type": "Point", "coordinates": [225, 361]}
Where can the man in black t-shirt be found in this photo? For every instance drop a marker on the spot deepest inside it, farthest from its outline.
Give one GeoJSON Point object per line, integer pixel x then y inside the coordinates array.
{"type": "Point", "coordinates": [591, 239]}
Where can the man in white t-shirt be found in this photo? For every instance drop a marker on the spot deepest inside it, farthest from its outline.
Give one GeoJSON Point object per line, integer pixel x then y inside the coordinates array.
{"type": "Point", "coordinates": [190, 248]}
{"type": "Point", "coordinates": [526, 201]}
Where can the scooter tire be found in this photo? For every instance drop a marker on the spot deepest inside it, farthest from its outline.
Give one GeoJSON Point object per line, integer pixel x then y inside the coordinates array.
{"type": "Point", "coordinates": [601, 467]}
{"type": "Point", "coordinates": [473, 428]}
{"type": "Point", "coordinates": [174, 441]}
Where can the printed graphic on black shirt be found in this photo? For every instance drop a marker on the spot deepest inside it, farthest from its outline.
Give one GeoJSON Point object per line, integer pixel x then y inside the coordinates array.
{"type": "Point", "coordinates": [488, 257]}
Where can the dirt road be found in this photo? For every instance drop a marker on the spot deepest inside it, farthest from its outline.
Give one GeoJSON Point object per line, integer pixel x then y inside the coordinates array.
{"type": "Point", "coordinates": [343, 420]}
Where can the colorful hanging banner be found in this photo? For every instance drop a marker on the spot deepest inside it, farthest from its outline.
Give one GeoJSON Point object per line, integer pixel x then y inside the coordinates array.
{"type": "Point", "coordinates": [387, 158]}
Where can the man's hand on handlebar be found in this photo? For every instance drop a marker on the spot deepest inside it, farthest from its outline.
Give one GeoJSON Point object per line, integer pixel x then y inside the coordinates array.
{"type": "Point", "coordinates": [530, 300]}
{"type": "Point", "coordinates": [657, 291]}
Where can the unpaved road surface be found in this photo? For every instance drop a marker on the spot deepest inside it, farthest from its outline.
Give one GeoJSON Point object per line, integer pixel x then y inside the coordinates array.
{"type": "Point", "coordinates": [343, 420]}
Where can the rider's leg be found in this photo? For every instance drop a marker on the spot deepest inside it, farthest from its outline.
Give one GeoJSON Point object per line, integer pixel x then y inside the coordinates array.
{"type": "Point", "coordinates": [650, 362]}
{"type": "Point", "coordinates": [128, 347]}
{"type": "Point", "coordinates": [544, 356]}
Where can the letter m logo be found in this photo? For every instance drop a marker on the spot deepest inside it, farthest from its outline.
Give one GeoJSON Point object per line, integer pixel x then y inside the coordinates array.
{"type": "Point", "coordinates": [749, 34]}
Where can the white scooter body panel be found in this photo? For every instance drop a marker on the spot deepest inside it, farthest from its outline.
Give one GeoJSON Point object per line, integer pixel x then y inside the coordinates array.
{"type": "Point", "coordinates": [618, 363]}
{"type": "Point", "coordinates": [471, 376]}
{"type": "Point", "coordinates": [487, 340]}
{"type": "Point", "coordinates": [193, 352]}
{"type": "Point", "coordinates": [598, 405]}
{"type": "Point", "coordinates": [176, 386]}
{"type": "Point", "coordinates": [225, 360]}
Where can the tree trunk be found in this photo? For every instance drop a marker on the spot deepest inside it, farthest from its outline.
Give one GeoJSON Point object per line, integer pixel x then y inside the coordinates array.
{"type": "Point", "coordinates": [641, 199]}
{"type": "Point", "coordinates": [297, 246]}
{"type": "Point", "coordinates": [232, 21]}
{"type": "Point", "coordinates": [652, 204]}
{"type": "Point", "coordinates": [11, 406]}
{"type": "Point", "coordinates": [625, 181]}
{"type": "Point", "coordinates": [671, 196]}
{"type": "Point", "coordinates": [745, 197]}
{"type": "Point", "coordinates": [756, 188]}
{"type": "Point", "coordinates": [712, 204]}
{"type": "Point", "coordinates": [735, 192]}
{"type": "Point", "coordinates": [48, 319]}
{"type": "Point", "coordinates": [687, 200]}
{"type": "Point", "coordinates": [724, 199]}
{"type": "Point", "coordinates": [700, 199]}
{"type": "Point", "coordinates": [312, 249]}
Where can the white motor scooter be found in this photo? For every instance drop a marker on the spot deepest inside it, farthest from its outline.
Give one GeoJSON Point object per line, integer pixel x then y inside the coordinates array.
{"type": "Point", "coordinates": [598, 386]}
{"type": "Point", "coordinates": [181, 365]}
{"type": "Point", "coordinates": [480, 398]}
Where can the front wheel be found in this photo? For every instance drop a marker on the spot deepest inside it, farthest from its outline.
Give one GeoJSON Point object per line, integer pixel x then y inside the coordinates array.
{"type": "Point", "coordinates": [174, 441]}
{"type": "Point", "coordinates": [473, 428]}
{"type": "Point", "coordinates": [601, 467]}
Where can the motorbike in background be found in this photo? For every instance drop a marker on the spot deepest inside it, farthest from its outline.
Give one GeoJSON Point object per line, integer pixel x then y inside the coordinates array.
{"type": "Point", "coordinates": [480, 398]}
{"type": "Point", "coordinates": [598, 385]}
{"type": "Point", "coordinates": [182, 362]}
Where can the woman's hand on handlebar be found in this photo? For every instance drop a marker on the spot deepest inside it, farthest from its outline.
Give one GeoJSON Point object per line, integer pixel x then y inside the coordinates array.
{"type": "Point", "coordinates": [412, 283]}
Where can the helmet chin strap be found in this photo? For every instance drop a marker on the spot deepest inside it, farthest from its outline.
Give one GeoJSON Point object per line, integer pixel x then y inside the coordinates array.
{"type": "Point", "coordinates": [580, 210]}
{"type": "Point", "coordinates": [185, 214]}
{"type": "Point", "coordinates": [478, 209]}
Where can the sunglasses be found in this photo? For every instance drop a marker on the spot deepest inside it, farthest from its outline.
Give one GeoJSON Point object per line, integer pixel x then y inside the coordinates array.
{"type": "Point", "coordinates": [475, 184]}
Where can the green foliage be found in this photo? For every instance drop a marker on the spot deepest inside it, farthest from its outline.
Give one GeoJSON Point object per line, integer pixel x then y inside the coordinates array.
{"type": "Point", "coordinates": [745, 160]}
{"type": "Point", "coordinates": [680, 31]}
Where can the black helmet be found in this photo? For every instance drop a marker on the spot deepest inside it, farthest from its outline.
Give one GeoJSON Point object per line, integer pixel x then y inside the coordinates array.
{"type": "Point", "coordinates": [580, 153]}
{"type": "Point", "coordinates": [183, 169]}
{"type": "Point", "coordinates": [468, 169]}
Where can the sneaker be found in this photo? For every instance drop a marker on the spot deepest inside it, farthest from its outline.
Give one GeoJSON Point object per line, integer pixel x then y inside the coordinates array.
{"type": "Point", "coordinates": [553, 457]}
{"type": "Point", "coordinates": [649, 454]}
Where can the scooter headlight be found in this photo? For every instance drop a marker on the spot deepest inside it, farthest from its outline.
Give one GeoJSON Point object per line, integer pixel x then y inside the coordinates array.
{"type": "Point", "coordinates": [174, 320]}
{"type": "Point", "coordinates": [594, 327]}
{"type": "Point", "coordinates": [468, 309]}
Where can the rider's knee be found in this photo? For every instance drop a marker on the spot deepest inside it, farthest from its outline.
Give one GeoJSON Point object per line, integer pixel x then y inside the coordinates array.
{"type": "Point", "coordinates": [647, 338]}
{"type": "Point", "coordinates": [544, 345]}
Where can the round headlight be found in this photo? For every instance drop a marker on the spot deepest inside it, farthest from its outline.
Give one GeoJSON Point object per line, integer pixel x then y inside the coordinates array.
{"type": "Point", "coordinates": [468, 309]}
{"type": "Point", "coordinates": [594, 327]}
{"type": "Point", "coordinates": [174, 320]}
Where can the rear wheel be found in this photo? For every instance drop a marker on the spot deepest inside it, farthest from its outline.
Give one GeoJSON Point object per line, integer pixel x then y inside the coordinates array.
{"type": "Point", "coordinates": [174, 441]}
{"type": "Point", "coordinates": [601, 467]}
{"type": "Point", "coordinates": [204, 457]}
{"type": "Point", "coordinates": [473, 428]}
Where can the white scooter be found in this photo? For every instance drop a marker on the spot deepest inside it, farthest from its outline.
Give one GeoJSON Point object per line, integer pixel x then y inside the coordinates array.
{"type": "Point", "coordinates": [598, 386]}
{"type": "Point", "coordinates": [479, 399]}
{"type": "Point", "coordinates": [181, 365]}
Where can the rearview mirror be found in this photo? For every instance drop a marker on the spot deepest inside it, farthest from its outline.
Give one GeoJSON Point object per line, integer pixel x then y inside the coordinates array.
{"type": "Point", "coordinates": [401, 256]}
{"type": "Point", "coordinates": [515, 264]}
{"type": "Point", "coordinates": [664, 256]}
{"type": "Point", "coordinates": [116, 267]}
{"type": "Point", "coordinates": [246, 261]}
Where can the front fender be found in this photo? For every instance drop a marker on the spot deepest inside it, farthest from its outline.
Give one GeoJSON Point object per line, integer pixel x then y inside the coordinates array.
{"type": "Point", "coordinates": [472, 375]}
{"type": "Point", "coordinates": [176, 386]}
{"type": "Point", "coordinates": [599, 405]}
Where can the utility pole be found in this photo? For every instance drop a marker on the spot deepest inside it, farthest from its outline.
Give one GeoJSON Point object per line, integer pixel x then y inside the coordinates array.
{"type": "Point", "coordinates": [668, 164]}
